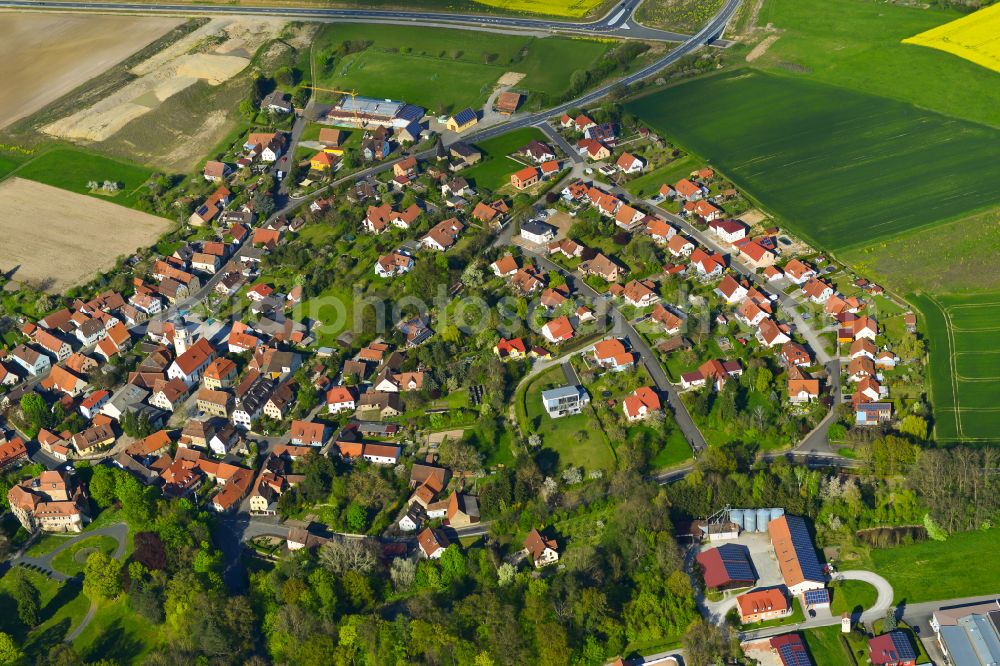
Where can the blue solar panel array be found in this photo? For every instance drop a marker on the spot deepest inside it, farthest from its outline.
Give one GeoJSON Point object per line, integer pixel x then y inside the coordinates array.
{"type": "Point", "coordinates": [904, 649]}
{"type": "Point", "coordinates": [794, 654]}
{"type": "Point", "coordinates": [817, 597]}
{"type": "Point", "coordinates": [736, 561]}
{"type": "Point", "coordinates": [804, 551]}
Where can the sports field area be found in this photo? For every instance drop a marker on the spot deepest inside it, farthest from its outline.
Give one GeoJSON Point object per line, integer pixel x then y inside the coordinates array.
{"type": "Point", "coordinates": [975, 38]}
{"type": "Point", "coordinates": [963, 334]}
{"type": "Point", "coordinates": [842, 168]}
{"type": "Point", "coordinates": [444, 70]}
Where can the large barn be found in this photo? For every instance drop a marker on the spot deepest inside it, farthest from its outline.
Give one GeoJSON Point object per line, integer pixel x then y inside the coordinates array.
{"type": "Point", "coordinates": [726, 567]}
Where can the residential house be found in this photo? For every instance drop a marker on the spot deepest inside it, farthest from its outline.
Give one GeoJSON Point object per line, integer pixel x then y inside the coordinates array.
{"type": "Point", "coordinates": [763, 605]}
{"type": "Point", "coordinates": [505, 266]}
{"type": "Point", "coordinates": [611, 354]}
{"type": "Point", "coordinates": [29, 359]}
{"type": "Point", "coordinates": [537, 232]}
{"type": "Point", "coordinates": [728, 231]}
{"type": "Point", "coordinates": [670, 322]}
{"type": "Point", "coordinates": [802, 390]}
{"type": "Point", "coordinates": [510, 349]}
{"type": "Point", "coordinates": [756, 255]}
{"type": "Point", "coordinates": [558, 330]}
{"type": "Point", "coordinates": [92, 439]}
{"type": "Point", "coordinates": [279, 402]}
{"type": "Point", "coordinates": [384, 404]}
{"type": "Point", "coordinates": [690, 191]}
{"type": "Point", "coordinates": [307, 433]}
{"type": "Point", "coordinates": [524, 178]}
{"type": "Point", "coordinates": [462, 120]}
{"type": "Point", "coordinates": [731, 290]}
{"type": "Point", "coordinates": [716, 372]}
{"type": "Point", "coordinates": [61, 379]}
{"type": "Point", "coordinates": [215, 171]}
{"type": "Point", "coordinates": [629, 163]}
{"type": "Point", "coordinates": [771, 334]}
{"type": "Point", "coordinates": [214, 402]}
{"type": "Point", "coordinates": [55, 347]}
{"type": "Point", "coordinates": [798, 272]}
{"type": "Point", "coordinates": [251, 395]}
{"type": "Point", "coordinates": [394, 263]}
{"type": "Point", "coordinates": [708, 265]}
{"type": "Point", "coordinates": [603, 267]}
{"type": "Point", "coordinates": [593, 150]}
{"type": "Point", "coordinates": [432, 544]}
{"type": "Point", "coordinates": [641, 403]}
{"type": "Point", "coordinates": [538, 152]}
{"type": "Point", "coordinates": [541, 551]}
{"type": "Point", "coordinates": [564, 401]}
{"type": "Point", "coordinates": [340, 398]}
{"type": "Point", "coordinates": [443, 235]}
{"type": "Point", "coordinates": [219, 374]}
{"type": "Point", "coordinates": [896, 649]}
{"type": "Point", "coordinates": [679, 246]}
{"type": "Point", "coordinates": [168, 394]}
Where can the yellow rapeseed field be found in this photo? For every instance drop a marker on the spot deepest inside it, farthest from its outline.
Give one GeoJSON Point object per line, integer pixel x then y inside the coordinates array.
{"type": "Point", "coordinates": [568, 8]}
{"type": "Point", "coordinates": [975, 37]}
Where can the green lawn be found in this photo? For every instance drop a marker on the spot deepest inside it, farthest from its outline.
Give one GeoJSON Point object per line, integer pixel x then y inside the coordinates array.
{"type": "Point", "coordinates": [333, 310]}
{"type": "Point", "coordinates": [673, 450]}
{"type": "Point", "coordinates": [857, 45]}
{"type": "Point", "coordinates": [10, 161]}
{"type": "Point", "coordinates": [850, 594]}
{"type": "Point", "coordinates": [71, 560]}
{"type": "Point", "coordinates": [442, 69]}
{"type": "Point", "coordinates": [576, 440]}
{"type": "Point", "coordinates": [827, 646]}
{"type": "Point", "coordinates": [63, 606]}
{"type": "Point", "coordinates": [495, 169]}
{"type": "Point", "coordinates": [939, 570]}
{"type": "Point", "coordinates": [117, 633]}
{"type": "Point", "coordinates": [46, 543]}
{"type": "Point", "coordinates": [72, 168]}
{"type": "Point", "coordinates": [842, 168]}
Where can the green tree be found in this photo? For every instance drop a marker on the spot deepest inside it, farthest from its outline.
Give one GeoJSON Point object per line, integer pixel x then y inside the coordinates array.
{"type": "Point", "coordinates": [102, 576]}
{"type": "Point", "coordinates": [9, 652]}
{"type": "Point", "coordinates": [763, 381]}
{"type": "Point", "coordinates": [29, 602]}
{"type": "Point", "coordinates": [914, 426]}
{"type": "Point", "coordinates": [35, 412]}
{"type": "Point", "coordinates": [102, 486]}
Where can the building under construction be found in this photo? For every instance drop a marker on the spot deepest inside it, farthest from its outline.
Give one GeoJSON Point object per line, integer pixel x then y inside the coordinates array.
{"type": "Point", "coordinates": [367, 112]}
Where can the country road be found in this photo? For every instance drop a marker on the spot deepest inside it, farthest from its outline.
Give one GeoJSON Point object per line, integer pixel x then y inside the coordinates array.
{"type": "Point", "coordinates": [618, 22]}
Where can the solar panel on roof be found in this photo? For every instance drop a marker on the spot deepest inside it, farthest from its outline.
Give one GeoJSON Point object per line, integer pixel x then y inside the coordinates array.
{"type": "Point", "coordinates": [794, 654]}
{"type": "Point", "coordinates": [736, 561]}
{"type": "Point", "coordinates": [904, 649]}
{"type": "Point", "coordinates": [804, 551]}
{"type": "Point", "coordinates": [817, 597]}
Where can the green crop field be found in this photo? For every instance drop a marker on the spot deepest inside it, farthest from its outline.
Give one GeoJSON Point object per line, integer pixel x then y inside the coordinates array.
{"type": "Point", "coordinates": [444, 70]}
{"type": "Point", "coordinates": [72, 168]}
{"type": "Point", "coordinates": [965, 364]}
{"type": "Point", "coordinates": [842, 168]}
{"type": "Point", "coordinates": [858, 45]}
{"type": "Point", "coordinates": [495, 169]}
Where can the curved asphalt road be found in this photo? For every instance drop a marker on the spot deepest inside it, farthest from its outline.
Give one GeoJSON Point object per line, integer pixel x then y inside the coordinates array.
{"type": "Point", "coordinates": [615, 23]}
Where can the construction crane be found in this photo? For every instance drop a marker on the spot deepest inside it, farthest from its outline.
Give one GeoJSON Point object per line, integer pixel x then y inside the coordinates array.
{"type": "Point", "coordinates": [353, 94]}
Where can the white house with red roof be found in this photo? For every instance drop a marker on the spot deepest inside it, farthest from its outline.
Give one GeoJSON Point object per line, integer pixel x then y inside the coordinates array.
{"type": "Point", "coordinates": [728, 231]}
{"type": "Point", "coordinates": [339, 399]}
{"type": "Point", "coordinates": [611, 354]}
{"type": "Point", "coordinates": [641, 403]}
{"type": "Point", "coordinates": [731, 290]}
{"type": "Point", "coordinates": [558, 330]}
{"type": "Point", "coordinates": [629, 163]}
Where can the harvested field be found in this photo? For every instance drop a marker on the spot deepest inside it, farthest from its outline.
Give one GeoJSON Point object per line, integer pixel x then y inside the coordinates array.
{"type": "Point", "coordinates": [214, 54]}
{"type": "Point", "coordinates": [46, 56]}
{"type": "Point", "coordinates": [81, 235]}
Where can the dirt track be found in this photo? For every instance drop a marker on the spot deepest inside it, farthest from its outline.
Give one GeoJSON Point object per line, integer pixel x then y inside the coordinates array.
{"type": "Point", "coordinates": [57, 239]}
{"type": "Point", "coordinates": [47, 55]}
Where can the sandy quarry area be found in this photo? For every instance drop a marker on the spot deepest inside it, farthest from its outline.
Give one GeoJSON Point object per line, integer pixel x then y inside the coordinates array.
{"type": "Point", "coordinates": [45, 56]}
{"type": "Point", "coordinates": [199, 55]}
{"type": "Point", "coordinates": [78, 236]}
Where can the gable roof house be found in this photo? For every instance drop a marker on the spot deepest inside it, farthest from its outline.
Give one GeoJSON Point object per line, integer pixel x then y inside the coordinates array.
{"type": "Point", "coordinates": [524, 178]}
{"type": "Point", "coordinates": [641, 403]}
{"type": "Point", "coordinates": [602, 267]}
{"type": "Point", "coordinates": [558, 330]}
{"type": "Point", "coordinates": [688, 190]}
{"type": "Point", "coordinates": [29, 359]}
{"type": "Point", "coordinates": [770, 334]}
{"type": "Point", "coordinates": [679, 246]}
{"type": "Point", "coordinates": [54, 346]}
{"type": "Point", "coordinates": [716, 371]}
{"type": "Point", "coordinates": [443, 235]}
{"type": "Point", "coordinates": [540, 550]}
{"type": "Point", "coordinates": [731, 290]}
{"type": "Point", "coordinates": [61, 379]}
{"type": "Point", "coordinates": [798, 272]}
{"type": "Point", "coordinates": [640, 293]}
{"type": "Point", "coordinates": [629, 163]}
{"type": "Point", "coordinates": [728, 231]}
{"type": "Point", "coordinates": [612, 354]}
{"type": "Point", "coordinates": [670, 322]}
{"type": "Point", "coordinates": [538, 152]}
